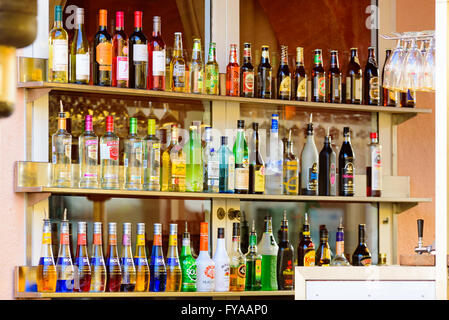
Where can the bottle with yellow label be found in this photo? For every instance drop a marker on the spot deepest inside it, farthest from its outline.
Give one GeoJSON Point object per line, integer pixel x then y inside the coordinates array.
{"type": "Point", "coordinates": [306, 248]}
{"type": "Point", "coordinates": [256, 165]}
{"type": "Point", "coordinates": [141, 261]}
{"type": "Point", "coordinates": [178, 66]}
{"type": "Point", "coordinates": [323, 253]}
{"type": "Point", "coordinates": [300, 86]}
{"type": "Point", "coordinates": [151, 159]}
{"type": "Point", "coordinates": [177, 155]}
{"type": "Point", "coordinates": [284, 77]}
{"type": "Point", "coordinates": [46, 269]}
{"type": "Point", "coordinates": [174, 272]}
{"type": "Point", "coordinates": [253, 264]}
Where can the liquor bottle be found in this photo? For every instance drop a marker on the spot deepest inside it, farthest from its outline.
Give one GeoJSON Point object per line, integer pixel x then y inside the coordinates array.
{"type": "Point", "coordinates": [102, 67]}
{"type": "Point", "coordinates": [188, 264]}
{"type": "Point", "coordinates": [46, 274]}
{"type": "Point", "coordinates": [194, 165]}
{"type": "Point", "coordinates": [178, 66]}
{"type": "Point", "coordinates": [354, 79]}
{"type": "Point", "coordinates": [253, 264]}
{"type": "Point", "coordinates": [237, 262]}
{"type": "Point", "coordinates": [256, 165]}
{"type": "Point", "coordinates": [196, 68]}
{"type": "Point", "coordinates": [346, 167]}
{"type": "Point", "coordinates": [283, 76]}
{"type": "Point", "coordinates": [318, 78]}
{"type": "Point", "coordinates": [58, 62]}
{"type": "Point", "coordinates": [269, 251]}
{"type": "Point", "coordinates": [156, 58]}
{"type": "Point", "coordinates": [158, 271]}
{"type": "Point", "coordinates": [233, 73]}
{"type": "Point", "coordinates": [174, 272]}
{"type": "Point", "coordinates": [339, 259]}
{"type": "Point", "coordinates": [114, 270]}
{"type": "Point", "coordinates": [334, 74]}
{"type": "Point", "coordinates": [274, 163]}
{"type": "Point", "coordinates": [306, 248]}
{"type": "Point", "coordinates": [300, 86]}
{"type": "Point", "coordinates": [226, 177]}
{"type": "Point", "coordinates": [64, 265]}
{"type": "Point", "coordinates": [285, 271]}
{"type": "Point", "coordinates": [109, 157]}
{"type": "Point", "coordinates": [309, 164]}
{"type": "Point", "coordinates": [178, 160]}
{"type": "Point", "coordinates": [83, 273]}
{"type": "Point", "coordinates": [88, 156]}
{"type": "Point", "coordinates": [126, 261]}
{"type": "Point", "coordinates": [79, 52]}
{"type": "Point", "coordinates": [151, 159]}
{"type": "Point", "coordinates": [240, 151]}
{"type": "Point", "coordinates": [323, 253]}
{"type": "Point", "coordinates": [264, 80]}
{"type": "Point", "coordinates": [374, 168]}
{"type": "Point", "coordinates": [371, 78]}
{"type": "Point", "coordinates": [141, 261]}
{"type": "Point", "coordinates": [211, 71]}
{"type": "Point", "coordinates": [290, 170]}
{"type": "Point", "coordinates": [388, 96]}
{"type": "Point", "coordinates": [133, 158]}
{"type": "Point", "coordinates": [120, 63]}
{"type": "Point", "coordinates": [205, 266]}
{"type": "Point", "coordinates": [221, 260]}
{"type": "Point", "coordinates": [361, 255]}
{"type": "Point", "coordinates": [327, 183]}
{"type": "Point", "coordinates": [166, 160]}
{"type": "Point", "coordinates": [61, 149]}
{"type": "Point", "coordinates": [247, 73]}
{"type": "Point", "coordinates": [211, 165]}
{"type": "Point", "coordinates": [138, 54]}
{"type": "Point", "coordinates": [97, 263]}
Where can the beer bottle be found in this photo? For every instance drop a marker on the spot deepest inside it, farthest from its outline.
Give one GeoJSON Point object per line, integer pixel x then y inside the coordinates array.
{"type": "Point", "coordinates": [300, 86]}
{"type": "Point", "coordinates": [233, 73]}
{"type": "Point", "coordinates": [335, 79]}
{"type": "Point", "coordinates": [264, 71]}
{"type": "Point", "coordinates": [354, 79]}
{"type": "Point", "coordinates": [306, 248]}
{"type": "Point", "coordinates": [372, 90]}
{"type": "Point", "coordinates": [178, 66]}
{"type": "Point", "coordinates": [211, 71]}
{"type": "Point", "coordinates": [388, 96]}
{"type": "Point", "coordinates": [247, 73]}
{"type": "Point", "coordinates": [283, 76]}
{"type": "Point", "coordinates": [346, 167]}
{"type": "Point", "coordinates": [318, 78]}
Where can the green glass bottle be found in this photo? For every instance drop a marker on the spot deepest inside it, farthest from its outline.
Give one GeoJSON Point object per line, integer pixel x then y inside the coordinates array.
{"type": "Point", "coordinates": [253, 264]}
{"type": "Point", "coordinates": [194, 166]}
{"type": "Point", "coordinates": [188, 265]}
{"type": "Point", "coordinates": [269, 250]}
{"type": "Point", "coordinates": [240, 151]}
{"type": "Point", "coordinates": [211, 71]}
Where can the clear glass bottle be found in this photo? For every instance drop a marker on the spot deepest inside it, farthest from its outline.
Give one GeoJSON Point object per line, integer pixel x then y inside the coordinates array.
{"type": "Point", "coordinates": [240, 151]}
{"type": "Point", "coordinates": [178, 167]}
{"type": "Point", "coordinates": [188, 264]}
{"type": "Point", "coordinates": [109, 157]}
{"type": "Point", "coordinates": [88, 156]}
{"type": "Point", "coordinates": [97, 263]}
{"type": "Point", "coordinates": [211, 164]}
{"type": "Point", "coordinates": [354, 79]}
{"type": "Point", "coordinates": [196, 68]}
{"type": "Point", "coordinates": [127, 261]}
{"type": "Point", "coordinates": [205, 278]}
{"type": "Point", "coordinates": [212, 71]}
{"type": "Point", "coordinates": [178, 66]}
{"type": "Point", "coordinates": [61, 150]}
{"type": "Point", "coordinates": [166, 170]}
{"type": "Point", "coordinates": [83, 273]}
{"type": "Point", "coordinates": [268, 250]}
{"type": "Point", "coordinates": [156, 58]}
{"type": "Point", "coordinates": [158, 270]}
{"type": "Point", "coordinates": [174, 272]}
{"type": "Point", "coordinates": [237, 262]}
{"type": "Point", "coordinates": [226, 167]}
{"type": "Point", "coordinates": [79, 51]}
{"type": "Point", "coordinates": [46, 275]}
{"type": "Point", "coordinates": [151, 159]}
{"type": "Point", "coordinates": [58, 44]}
{"type": "Point", "coordinates": [274, 162]}
{"type": "Point", "coordinates": [141, 261]}
{"type": "Point", "coordinates": [114, 270]}
{"type": "Point", "coordinates": [133, 158]}
{"type": "Point", "coordinates": [339, 259]}
{"type": "Point", "coordinates": [64, 265]}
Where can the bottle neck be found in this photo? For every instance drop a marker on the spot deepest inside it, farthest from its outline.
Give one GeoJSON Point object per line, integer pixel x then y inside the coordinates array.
{"type": "Point", "coordinates": [361, 236]}
{"type": "Point", "coordinates": [284, 233]}
{"type": "Point", "coordinates": [334, 61]}
{"type": "Point", "coordinates": [284, 56]}
{"type": "Point", "coordinates": [212, 54]}
{"type": "Point", "coordinates": [58, 24]}
{"type": "Point", "coordinates": [247, 55]}
{"type": "Point", "coordinates": [300, 57]}
{"type": "Point", "coordinates": [156, 28]}
{"type": "Point", "coordinates": [265, 58]}
{"type": "Point", "coordinates": [318, 59]}
{"type": "Point", "coordinates": [233, 55]}
{"type": "Point", "coordinates": [236, 243]}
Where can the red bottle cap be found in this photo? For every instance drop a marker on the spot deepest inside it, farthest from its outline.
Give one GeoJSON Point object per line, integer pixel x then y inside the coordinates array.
{"type": "Point", "coordinates": [109, 124]}
{"type": "Point", "coordinates": [138, 19]}
{"type": "Point", "coordinates": [373, 135]}
{"type": "Point", "coordinates": [120, 20]}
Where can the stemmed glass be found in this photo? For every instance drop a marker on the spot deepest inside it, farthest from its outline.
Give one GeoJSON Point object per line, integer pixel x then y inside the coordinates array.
{"type": "Point", "coordinates": [429, 67]}
{"type": "Point", "coordinates": [392, 66]}
{"type": "Point", "coordinates": [411, 76]}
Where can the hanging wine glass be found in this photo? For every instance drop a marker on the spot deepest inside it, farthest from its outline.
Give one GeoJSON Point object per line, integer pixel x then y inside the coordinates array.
{"type": "Point", "coordinates": [429, 67]}
{"type": "Point", "coordinates": [398, 80]}
{"type": "Point", "coordinates": [391, 66]}
{"type": "Point", "coordinates": [412, 73]}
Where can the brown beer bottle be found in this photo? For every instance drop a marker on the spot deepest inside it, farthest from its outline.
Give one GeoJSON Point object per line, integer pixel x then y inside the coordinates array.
{"type": "Point", "coordinates": [264, 80]}
{"type": "Point", "coordinates": [372, 90]}
{"type": "Point", "coordinates": [247, 73]}
{"type": "Point", "coordinates": [335, 79]}
{"type": "Point", "coordinates": [354, 79]}
{"type": "Point", "coordinates": [300, 86]}
{"type": "Point", "coordinates": [284, 77]}
{"type": "Point", "coordinates": [388, 96]}
{"type": "Point", "coordinates": [318, 78]}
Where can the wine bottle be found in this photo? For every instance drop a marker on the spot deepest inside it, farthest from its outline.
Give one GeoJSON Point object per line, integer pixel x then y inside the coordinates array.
{"type": "Point", "coordinates": [102, 67]}
{"type": "Point", "coordinates": [79, 52]}
{"type": "Point", "coordinates": [141, 261]}
{"type": "Point", "coordinates": [156, 58]}
{"type": "Point", "coordinates": [138, 55]}
{"type": "Point", "coordinates": [346, 167]}
{"type": "Point", "coordinates": [158, 270]}
{"type": "Point", "coordinates": [221, 261]}
{"type": "Point", "coordinates": [58, 48]}
{"type": "Point", "coordinates": [120, 63]}
{"type": "Point", "coordinates": [127, 261]}
{"type": "Point", "coordinates": [285, 271]}
{"type": "Point", "coordinates": [309, 164]}
{"type": "Point", "coordinates": [361, 255]}
{"type": "Point", "coordinates": [327, 183]}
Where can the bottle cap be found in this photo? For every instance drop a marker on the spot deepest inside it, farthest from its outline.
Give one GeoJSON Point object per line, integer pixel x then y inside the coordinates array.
{"type": "Point", "coordinates": [255, 126]}
{"type": "Point", "coordinates": [221, 233]}
{"type": "Point", "coordinates": [112, 227]}
{"type": "Point", "coordinates": [224, 140]}
{"type": "Point", "coordinates": [373, 135]}
{"type": "Point", "coordinates": [82, 227]}
{"type": "Point", "coordinates": [241, 124]}
{"type": "Point", "coordinates": [346, 130]}
{"type": "Point", "coordinates": [157, 228]}
{"type": "Point", "coordinates": [127, 227]}
{"type": "Point", "coordinates": [98, 227]}
{"type": "Point", "coordinates": [173, 228]}
{"type": "Point", "coordinates": [236, 229]}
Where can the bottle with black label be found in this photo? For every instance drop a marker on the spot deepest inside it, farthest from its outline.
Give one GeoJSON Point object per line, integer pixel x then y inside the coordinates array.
{"type": "Point", "coordinates": [328, 169]}
{"type": "Point", "coordinates": [361, 255]}
{"type": "Point", "coordinates": [371, 77]}
{"type": "Point", "coordinates": [309, 164]}
{"type": "Point", "coordinates": [335, 91]}
{"type": "Point", "coordinates": [264, 80]}
{"type": "Point", "coordinates": [388, 96]}
{"type": "Point", "coordinates": [346, 167]}
{"type": "Point", "coordinates": [256, 165]}
{"type": "Point", "coordinates": [374, 168]}
{"type": "Point", "coordinates": [354, 79]}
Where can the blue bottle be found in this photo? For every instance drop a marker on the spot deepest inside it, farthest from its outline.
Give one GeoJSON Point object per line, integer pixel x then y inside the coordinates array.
{"type": "Point", "coordinates": [158, 271]}
{"type": "Point", "coordinates": [64, 264]}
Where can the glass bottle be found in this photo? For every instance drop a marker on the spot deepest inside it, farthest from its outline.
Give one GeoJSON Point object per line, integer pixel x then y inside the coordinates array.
{"type": "Point", "coordinates": [371, 78]}
{"type": "Point", "coordinates": [354, 79]}
{"type": "Point", "coordinates": [374, 168]}
{"type": "Point", "coordinates": [127, 261]}
{"type": "Point", "coordinates": [339, 259]}
{"type": "Point", "coordinates": [141, 261]}
{"type": "Point", "coordinates": [221, 260]}
{"type": "Point", "coordinates": [196, 68]}
{"type": "Point", "coordinates": [114, 270]}
{"type": "Point", "coordinates": [178, 66]}
{"type": "Point", "coordinates": [285, 270]}
{"type": "Point", "coordinates": [300, 87]}
{"type": "Point", "coordinates": [211, 165]}
{"type": "Point", "coordinates": [283, 77]}
{"type": "Point", "coordinates": [264, 80]}
{"type": "Point", "coordinates": [58, 45]}
{"type": "Point", "coordinates": [240, 151]}
{"type": "Point", "coordinates": [334, 75]}
{"type": "Point", "coordinates": [64, 266]}
{"type": "Point", "coordinates": [151, 159]}
{"type": "Point", "coordinates": [309, 164]}
{"type": "Point", "coordinates": [361, 255]}
{"type": "Point", "coordinates": [166, 160]}
{"type": "Point", "coordinates": [194, 159]}
{"type": "Point", "coordinates": [88, 156]}
{"type": "Point", "coordinates": [388, 96]}
{"type": "Point", "coordinates": [46, 275]}
{"type": "Point", "coordinates": [188, 264]}
{"type": "Point", "coordinates": [79, 51]}
{"type": "Point", "coordinates": [138, 54]}
{"type": "Point", "coordinates": [306, 248]}
{"type": "Point", "coordinates": [174, 272]}
{"type": "Point", "coordinates": [323, 254]}
{"type": "Point", "coordinates": [233, 73]}
{"type": "Point", "coordinates": [61, 147]}
{"type": "Point", "coordinates": [158, 271]}
{"type": "Point", "coordinates": [346, 167]}
{"type": "Point", "coordinates": [237, 262]}
{"type": "Point", "coordinates": [274, 163]}
{"type": "Point", "coordinates": [109, 157]}
{"type": "Point", "coordinates": [178, 166]}
{"type": "Point", "coordinates": [211, 71]}
{"type": "Point", "coordinates": [253, 264]}
{"type": "Point", "coordinates": [97, 263]}
{"type": "Point", "coordinates": [318, 78]}
{"type": "Point", "coordinates": [156, 58]}
{"type": "Point", "coordinates": [102, 62]}
{"type": "Point", "coordinates": [268, 250]}
{"type": "Point", "coordinates": [227, 167]}
{"type": "Point", "coordinates": [120, 63]}
{"type": "Point", "coordinates": [290, 172]}
{"type": "Point", "coordinates": [133, 158]}
{"type": "Point", "coordinates": [83, 273]}
{"type": "Point", "coordinates": [205, 277]}
{"type": "Point", "coordinates": [256, 165]}
{"type": "Point", "coordinates": [247, 73]}
{"type": "Point", "coordinates": [327, 183]}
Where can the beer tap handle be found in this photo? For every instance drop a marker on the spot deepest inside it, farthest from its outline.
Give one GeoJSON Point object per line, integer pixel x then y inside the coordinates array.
{"type": "Point", "coordinates": [420, 228]}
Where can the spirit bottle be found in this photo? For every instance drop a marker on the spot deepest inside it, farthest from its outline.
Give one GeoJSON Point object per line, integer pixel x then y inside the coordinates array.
{"type": "Point", "coordinates": [237, 262]}
{"type": "Point", "coordinates": [318, 78]}
{"type": "Point", "coordinates": [371, 78]}
{"type": "Point", "coordinates": [274, 163]}
{"type": "Point", "coordinates": [323, 253]}
{"type": "Point", "coordinates": [114, 270]}
{"type": "Point", "coordinates": [284, 77]}
{"type": "Point", "coordinates": [158, 271]}
{"type": "Point", "coordinates": [194, 166]}
{"type": "Point", "coordinates": [82, 264]}
{"type": "Point", "coordinates": [361, 255]}
{"type": "Point", "coordinates": [309, 164]}
{"type": "Point", "coordinates": [334, 79]}
{"type": "Point", "coordinates": [58, 43]}
{"type": "Point", "coordinates": [156, 58]}
{"type": "Point", "coordinates": [354, 79]}
{"type": "Point", "coordinates": [178, 66]}
{"type": "Point", "coordinates": [256, 165]}
{"type": "Point", "coordinates": [109, 157]}
{"type": "Point", "coordinates": [339, 259]}
{"type": "Point", "coordinates": [247, 81]}
{"type": "Point", "coordinates": [374, 168]}
{"type": "Point", "coordinates": [177, 169]}
{"type": "Point", "coordinates": [205, 277]}
{"type": "Point", "coordinates": [88, 156]}
{"type": "Point", "coordinates": [227, 167]}
{"type": "Point", "coordinates": [253, 264]}
{"type": "Point", "coordinates": [151, 159]}
{"type": "Point", "coordinates": [211, 71]}
{"type": "Point", "coordinates": [188, 265]}
{"type": "Point", "coordinates": [102, 52]}
{"type": "Point", "coordinates": [79, 51]}
{"type": "Point", "coordinates": [211, 165]}
{"type": "Point", "coordinates": [285, 270]}
{"type": "Point", "coordinates": [233, 73]}
{"type": "Point", "coordinates": [138, 54]}
{"type": "Point", "coordinates": [133, 158]}
{"type": "Point", "coordinates": [120, 63]}
{"type": "Point", "coordinates": [127, 262]}
{"type": "Point", "coordinates": [174, 272]}
{"type": "Point", "coordinates": [269, 251]}
{"type": "Point", "coordinates": [97, 263]}
{"type": "Point", "coordinates": [46, 275]}
{"type": "Point", "coordinates": [61, 150]}
{"type": "Point", "coordinates": [240, 151]}
{"type": "Point", "coordinates": [346, 167]}
{"type": "Point", "coordinates": [221, 261]}
{"type": "Point", "coordinates": [264, 80]}
{"type": "Point", "coordinates": [196, 68]}
{"type": "Point", "coordinates": [327, 183]}
{"type": "Point", "coordinates": [141, 261]}
{"type": "Point", "coordinates": [64, 265]}
{"type": "Point", "coordinates": [290, 173]}
{"type": "Point", "coordinates": [306, 248]}
{"type": "Point", "coordinates": [167, 160]}
{"type": "Point", "coordinates": [300, 87]}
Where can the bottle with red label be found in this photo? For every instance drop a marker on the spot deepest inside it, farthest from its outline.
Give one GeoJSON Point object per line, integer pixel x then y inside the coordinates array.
{"type": "Point", "coordinates": [205, 280]}
{"type": "Point", "coordinates": [114, 271]}
{"type": "Point", "coordinates": [109, 157]}
{"type": "Point", "coordinates": [64, 265]}
{"type": "Point", "coordinates": [138, 55]}
{"type": "Point", "coordinates": [306, 248]}
{"type": "Point", "coordinates": [318, 78]}
{"type": "Point", "coordinates": [156, 58]}
{"type": "Point", "coordinates": [247, 73]}
{"type": "Point", "coordinates": [233, 73]}
{"type": "Point", "coordinates": [285, 269]}
{"type": "Point", "coordinates": [102, 64]}
{"type": "Point", "coordinates": [374, 168]}
{"type": "Point", "coordinates": [120, 53]}
{"type": "Point", "coordinates": [361, 255]}
{"type": "Point", "coordinates": [82, 263]}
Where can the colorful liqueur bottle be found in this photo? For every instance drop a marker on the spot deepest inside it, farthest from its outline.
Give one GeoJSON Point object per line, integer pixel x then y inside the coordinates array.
{"type": "Point", "coordinates": [205, 278]}
{"type": "Point", "coordinates": [82, 264]}
{"type": "Point", "coordinates": [97, 263]}
{"type": "Point", "coordinates": [253, 264]}
{"type": "Point", "coordinates": [174, 272]}
{"type": "Point", "coordinates": [141, 261]}
{"type": "Point", "coordinates": [64, 265]}
{"type": "Point", "coordinates": [114, 271]}
{"type": "Point", "coordinates": [158, 271]}
{"type": "Point", "coordinates": [127, 261]}
{"type": "Point", "coordinates": [46, 270]}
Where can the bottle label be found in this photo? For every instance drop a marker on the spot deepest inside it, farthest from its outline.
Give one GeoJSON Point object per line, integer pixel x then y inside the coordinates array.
{"type": "Point", "coordinates": [312, 184]}
{"type": "Point", "coordinates": [126, 240]}
{"type": "Point", "coordinates": [333, 178]}
{"type": "Point", "coordinates": [348, 88]}
{"type": "Point", "coordinates": [64, 239]}
{"type": "Point", "coordinates": [233, 80]}
{"type": "Point", "coordinates": [285, 86]}
{"type": "Point", "coordinates": [374, 89]}
{"type": "Point", "coordinates": [197, 80]}
{"type": "Point", "coordinates": [140, 240]}
{"type": "Point", "coordinates": [140, 261]}
{"type": "Point", "coordinates": [178, 168]}
{"type": "Point", "coordinates": [309, 258]}
{"type": "Point", "coordinates": [248, 81]}
{"type": "Point", "coordinates": [109, 150]}
{"type": "Point", "coordinates": [211, 79]}
{"type": "Point", "coordinates": [140, 52]}
{"type": "Point", "coordinates": [209, 272]}
{"type": "Point", "coordinates": [376, 169]}
{"type": "Point", "coordinates": [336, 87]}
{"type": "Point", "coordinates": [258, 270]}
{"type": "Point", "coordinates": [365, 261]}
{"type": "Point", "coordinates": [60, 55]}
{"type": "Point", "coordinates": [339, 247]}
{"type": "Point", "coordinates": [179, 75]}
{"type": "Point", "coordinates": [241, 178]}
{"type": "Point", "coordinates": [82, 66]}
{"type": "Point", "coordinates": [91, 146]}
{"type": "Point", "coordinates": [104, 56]}
{"type": "Point", "coordinates": [173, 240]}
{"type": "Point", "coordinates": [98, 239]}
{"type": "Point", "coordinates": [259, 179]}
{"type": "Point", "coordinates": [301, 90]}
{"type": "Point", "coordinates": [82, 240]}
{"type": "Point", "coordinates": [348, 176]}
{"type": "Point", "coordinates": [46, 238]}
{"type": "Point", "coordinates": [157, 240]}
{"type": "Point", "coordinates": [122, 68]}
{"type": "Point", "coordinates": [358, 88]}
{"type": "Point", "coordinates": [291, 175]}
{"type": "Point", "coordinates": [159, 63]}
{"type": "Point", "coordinates": [231, 172]}
{"type": "Point", "coordinates": [319, 86]}
{"type": "Point", "coordinates": [288, 275]}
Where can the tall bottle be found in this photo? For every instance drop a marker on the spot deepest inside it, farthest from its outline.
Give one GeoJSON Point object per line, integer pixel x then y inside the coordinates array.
{"type": "Point", "coordinates": [141, 261]}
{"type": "Point", "coordinates": [264, 80]}
{"type": "Point", "coordinates": [309, 164]}
{"type": "Point", "coordinates": [64, 265]}
{"type": "Point", "coordinates": [283, 77]}
{"type": "Point", "coordinates": [188, 264]}
{"type": "Point", "coordinates": [102, 62]}
{"type": "Point", "coordinates": [83, 273]}
{"type": "Point", "coordinates": [178, 162]}
{"type": "Point", "coordinates": [374, 168]}
{"type": "Point", "coordinates": [306, 248]}
{"type": "Point", "coordinates": [174, 271]}
{"type": "Point", "coordinates": [318, 78]}
{"type": "Point", "coordinates": [114, 270]}
{"type": "Point", "coordinates": [120, 63]}
{"type": "Point", "coordinates": [335, 80]}
{"type": "Point", "coordinates": [58, 45]}
{"type": "Point", "coordinates": [88, 156]}
{"type": "Point", "coordinates": [285, 259]}
{"type": "Point", "coordinates": [158, 271]}
{"type": "Point", "coordinates": [151, 159]}
{"type": "Point", "coordinates": [233, 73]}
{"type": "Point", "coordinates": [133, 158]}
{"type": "Point", "coordinates": [194, 160]}
{"type": "Point", "coordinates": [127, 261]}
{"type": "Point", "coordinates": [247, 73]}
{"type": "Point", "coordinates": [361, 255]}
{"type": "Point", "coordinates": [79, 51]}
{"type": "Point", "coordinates": [354, 79]}
{"type": "Point", "coordinates": [253, 264]}
{"type": "Point", "coordinates": [226, 176]}
{"type": "Point", "coordinates": [196, 68]}
{"type": "Point", "coordinates": [221, 260]}
{"type": "Point", "coordinates": [138, 54]}
{"type": "Point", "coordinates": [211, 71]}
{"type": "Point", "coordinates": [178, 66]}
{"type": "Point", "coordinates": [371, 78]}
{"type": "Point", "coordinates": [269, 251]}
{"type": "Point", "coordinates": [109, 157]}
{"type": "Point", "coordinates": [205, 276]}
{"type": "Point", "coordinates": [211, 164]}
{"type": "Point", "coordinates": [256, 165]}
{"type": "Point", "coordinates": [388, 96]}
{"type": "Point", "coordinates": [166, 160]}
{"type": "Point", "coordinates": [61, 154]}
{"type": "Point", "coordinates": [46, 275]}
{"type": "Point", "coordinates": [97, 263]}
{"type": "Point", "coordinates": [339, 259]}
{"type": "Point", "coordinates": [323, 254]}
{"type": "Point", "coordinates": [274, 163]}
{"type": "Point", "coordinates": [240, 151]}
{"type": "Point", "coordinates": [300, 85]}
{"type": "Point", "coordinates": [237, 262]}
{"type": "Point", "coordinates": [156, 58]}
{"type": "Point", "coordinates": [346, 167]}
{"type": "Point", "coordinates": [290, 170]}
{"type": "Point", "coordinates": [327, 183]}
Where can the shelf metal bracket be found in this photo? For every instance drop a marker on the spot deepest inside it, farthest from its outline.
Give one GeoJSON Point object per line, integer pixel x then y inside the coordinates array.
{"type": "Point", "coordinates": [399, 118]}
